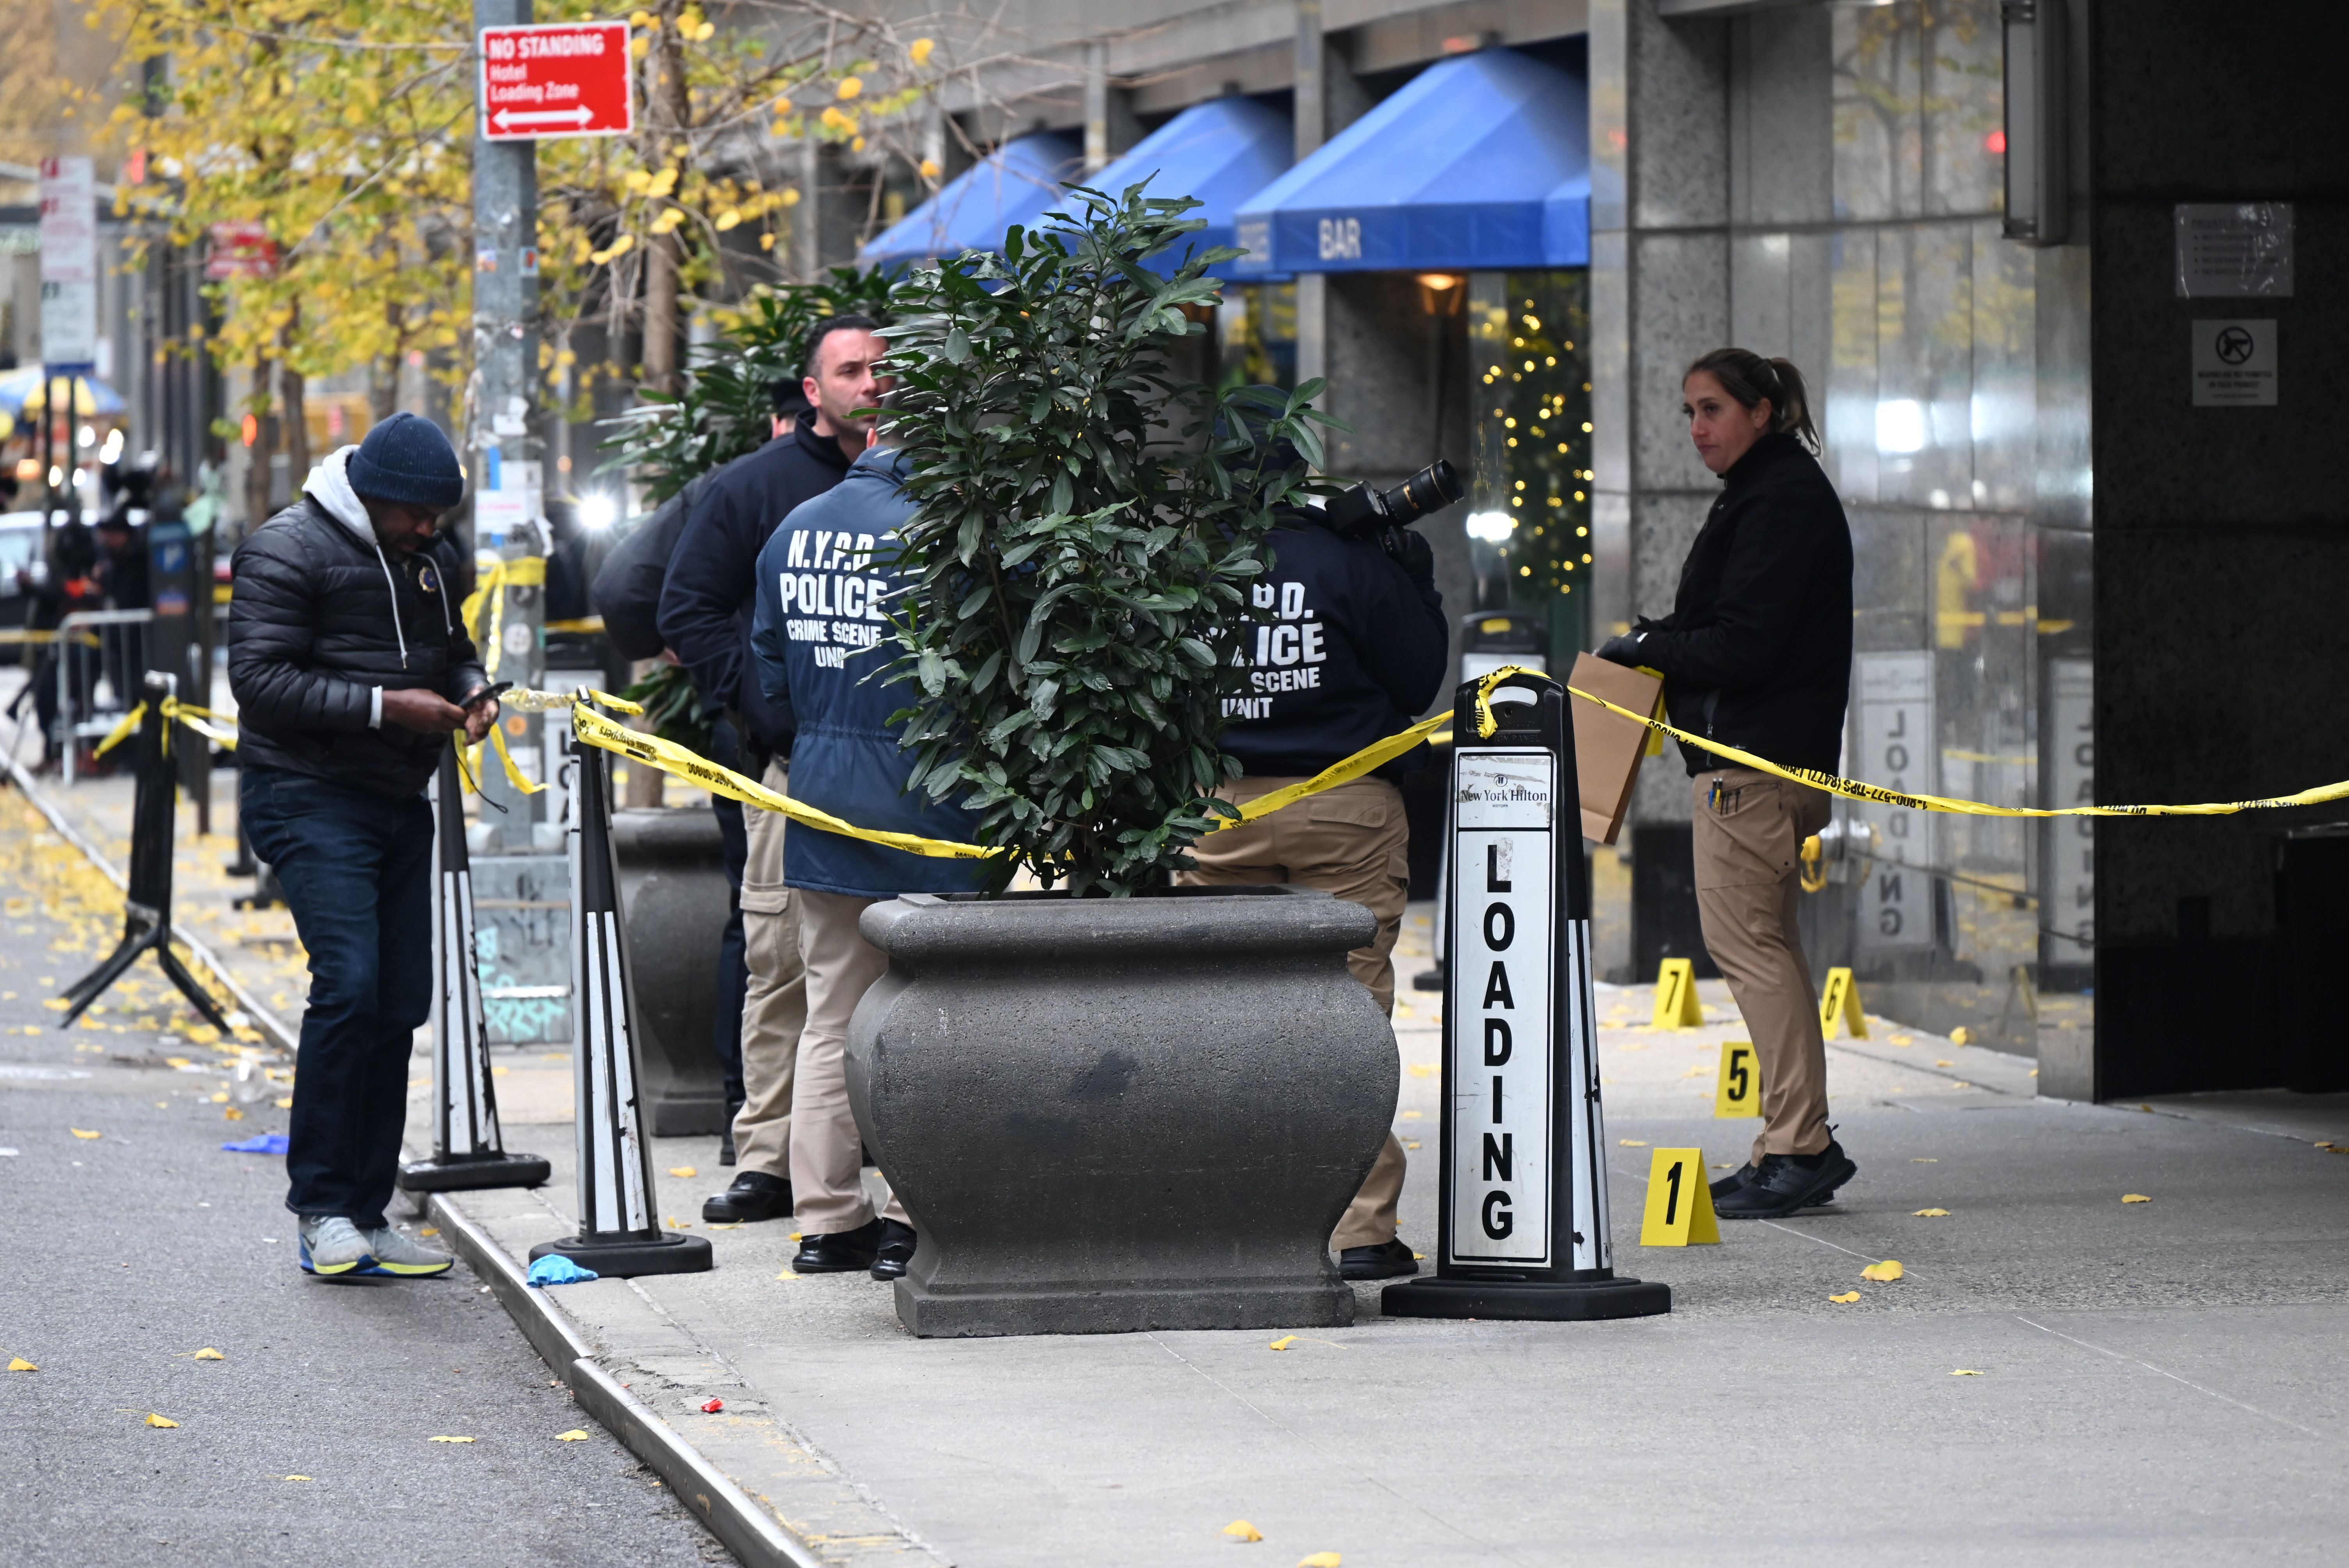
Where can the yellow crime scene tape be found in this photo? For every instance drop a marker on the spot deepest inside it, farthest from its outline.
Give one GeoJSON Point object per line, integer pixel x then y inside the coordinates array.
{"type": "Point", "coordinates": [497, 575]}
{"type": "Point", "coordinates": [203, 720]}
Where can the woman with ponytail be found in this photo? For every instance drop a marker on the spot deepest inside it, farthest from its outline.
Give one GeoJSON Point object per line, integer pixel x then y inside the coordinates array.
{"type": "Point", "coordinates": [1756, 655]}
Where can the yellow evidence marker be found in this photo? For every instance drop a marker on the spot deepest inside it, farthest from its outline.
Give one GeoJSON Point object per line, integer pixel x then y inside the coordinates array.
{"type": "Point", "coordinates": [1739, 1092]}
{"type": "Point", "coordinates": [1680, 1200]}
{"type": "Point", "coordinates": [1676, 1004]}
{"type": "Point", "coordinates": [1839, 1004]}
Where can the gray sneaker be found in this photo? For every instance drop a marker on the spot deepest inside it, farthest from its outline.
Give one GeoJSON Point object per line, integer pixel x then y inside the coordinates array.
{"type": "Point", "coordinates": [333, 1245]}
{"type": "Point", "coordinates": [395, 1253]}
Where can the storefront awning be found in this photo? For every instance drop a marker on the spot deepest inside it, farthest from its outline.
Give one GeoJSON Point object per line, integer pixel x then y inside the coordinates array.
{"type": "Point", "coordinates": [1458, 171]}
{"type": "Point", "coordinates": [28, 388]}
{"type": "Point", "coordinates": [1220, 152]}
{"type": "Point", "coordinates": [1013, 184]}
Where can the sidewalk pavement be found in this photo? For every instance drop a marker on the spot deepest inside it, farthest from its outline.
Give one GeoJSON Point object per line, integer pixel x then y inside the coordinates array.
{"type": "Point", "coordinates": [2060, 1376]}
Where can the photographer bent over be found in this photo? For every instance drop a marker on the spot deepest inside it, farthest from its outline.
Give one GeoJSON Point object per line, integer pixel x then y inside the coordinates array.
{"type": "Point", "coordinates": [1356, 647]}
{"type": "Point", "coordinates": [351, 669]}
{"type": "Point", "coordinates": [1756, 655]}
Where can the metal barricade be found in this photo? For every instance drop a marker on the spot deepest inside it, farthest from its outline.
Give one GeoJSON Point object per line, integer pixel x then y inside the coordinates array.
{"type": "Point", "coordinates": [97, 684]}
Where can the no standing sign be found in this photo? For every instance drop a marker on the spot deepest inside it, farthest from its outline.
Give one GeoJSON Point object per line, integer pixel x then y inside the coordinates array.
{"type": "Point", "coordinates": [563, 79]}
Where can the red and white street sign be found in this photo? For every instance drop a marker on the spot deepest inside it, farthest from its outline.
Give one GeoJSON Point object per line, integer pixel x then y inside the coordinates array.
{"type": "Point", "coordinates": [565, 78]}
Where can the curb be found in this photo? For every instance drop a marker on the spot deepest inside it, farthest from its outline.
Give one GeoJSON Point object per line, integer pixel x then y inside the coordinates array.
{"type": "Point", "coordinates": [749, 1532]}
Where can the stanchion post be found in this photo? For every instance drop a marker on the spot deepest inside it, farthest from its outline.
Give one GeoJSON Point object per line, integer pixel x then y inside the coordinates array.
{"type": "Point", "coordinates": [147, 902]}
{"type": "Point", "coordinates": [1521, 1219]}
{"type": "Point", "coordinates": [468, 1148]}
{"type": "Point", "coordinates": [619, 1231]}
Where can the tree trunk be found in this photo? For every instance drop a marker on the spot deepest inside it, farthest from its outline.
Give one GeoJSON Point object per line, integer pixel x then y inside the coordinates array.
{"type": "Point", "coordinates": [670, 114]}
{"type": "Point", "coordinates": [256, 470]}
{"type": "Point", "coordinates": [291, 390]}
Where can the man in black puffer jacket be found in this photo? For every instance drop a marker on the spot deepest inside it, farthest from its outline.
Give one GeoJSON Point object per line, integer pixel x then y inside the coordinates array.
{"type": "Point", "coordinates": [351, 669]}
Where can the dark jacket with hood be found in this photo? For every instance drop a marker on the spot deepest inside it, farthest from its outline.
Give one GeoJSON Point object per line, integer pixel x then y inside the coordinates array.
{"type": "Point", "coordinates": [1757, 650]}
{"type": "Point", "coordinates": [1354, 650]}
{"type": "Point", "coordinates": [705, 604]}
{"type": "Point", "coordinates": [822, 638]}
{"type": "Point", "coordinates": [322, 622]}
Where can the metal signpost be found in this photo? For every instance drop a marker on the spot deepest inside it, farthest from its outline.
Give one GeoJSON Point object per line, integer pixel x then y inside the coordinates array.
{"type": "Point", "coordinates": [1521, 1225]}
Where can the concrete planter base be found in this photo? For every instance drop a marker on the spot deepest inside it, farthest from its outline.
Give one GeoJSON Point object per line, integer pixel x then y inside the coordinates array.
{"type": "Point", "coordinates": [1107, 1116]}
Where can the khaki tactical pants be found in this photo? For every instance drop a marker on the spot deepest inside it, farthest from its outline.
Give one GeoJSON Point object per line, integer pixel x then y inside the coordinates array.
{"type": "Point", "coordinates": [1749, 830]}
{"type": "Point", "coordinates": [774, 1008]}
{"type": "Point", "coordinates": [827, 1186]}
{"type": "Point", "coordinates": [1351, 842]}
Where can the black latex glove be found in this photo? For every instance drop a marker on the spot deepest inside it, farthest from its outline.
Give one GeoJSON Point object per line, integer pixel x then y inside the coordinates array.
{"type": "Point", "coordinates": [1410, 549]}
{"type": "Point", "coordinates": [1626, 650]}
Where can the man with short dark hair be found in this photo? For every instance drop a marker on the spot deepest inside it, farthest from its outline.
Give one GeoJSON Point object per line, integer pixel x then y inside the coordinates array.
{"type": "Point", "coordinates": [705, 617]}
{"type": "Point", "coordinates": [351, 669]}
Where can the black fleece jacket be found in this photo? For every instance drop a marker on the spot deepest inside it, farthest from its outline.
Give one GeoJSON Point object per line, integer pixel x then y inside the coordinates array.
{"type": "Point", "coordinates": [318, 621]}
{"type": "Point", "coordinates": [1757, 650]}
{"type": "Point", "coordinates": [706, 599]}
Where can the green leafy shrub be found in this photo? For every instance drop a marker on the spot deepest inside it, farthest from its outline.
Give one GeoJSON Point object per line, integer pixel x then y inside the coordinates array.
{"type": "Point", "coordinates": [1089, 524]}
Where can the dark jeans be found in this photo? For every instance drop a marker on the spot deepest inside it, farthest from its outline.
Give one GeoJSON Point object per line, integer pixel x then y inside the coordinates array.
{"type": "Point", "coordinates": [357, 867]}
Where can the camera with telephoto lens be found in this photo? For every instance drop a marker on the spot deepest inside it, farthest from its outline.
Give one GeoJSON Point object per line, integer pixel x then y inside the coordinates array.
{"type": "Point", "coordinates": [1359, 513]}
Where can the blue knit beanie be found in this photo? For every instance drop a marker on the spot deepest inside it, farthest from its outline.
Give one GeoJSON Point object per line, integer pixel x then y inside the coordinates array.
{"type": "Point", "coordinates": [407, 459]}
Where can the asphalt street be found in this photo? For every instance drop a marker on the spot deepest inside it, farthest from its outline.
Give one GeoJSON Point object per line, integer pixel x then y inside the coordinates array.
{"type": "Point", "coordinates": [125, 1255]}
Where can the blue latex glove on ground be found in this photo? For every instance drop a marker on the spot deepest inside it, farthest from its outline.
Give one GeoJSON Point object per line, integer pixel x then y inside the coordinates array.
{"type": "Point", "coordinates": [556, 1269]}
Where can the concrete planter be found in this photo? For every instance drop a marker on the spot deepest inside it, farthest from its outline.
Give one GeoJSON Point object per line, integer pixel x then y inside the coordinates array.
{"type": "Point", "coordinates": [673, 887]}
{"type": "Point", "coordinates": [1113, 1115]}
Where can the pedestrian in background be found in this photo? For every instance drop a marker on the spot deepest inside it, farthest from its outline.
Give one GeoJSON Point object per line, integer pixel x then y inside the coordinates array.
{"type": "Point", "coordinates": [706, 617]}
{"type": "Point", "coordinates": [1756, 655]}
{"type": "Point", "coordinates": [351, 669]}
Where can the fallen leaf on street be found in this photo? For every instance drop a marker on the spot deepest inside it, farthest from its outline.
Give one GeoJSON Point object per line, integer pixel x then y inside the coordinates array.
{"type": "Point", "coordinates": [1846, 1297]}
{"type": "Point", "coordinates": [430, 1231]}
{"type": "Point", "coordinates": [1924, 1162]}
{"type": "Point", "coordinates": [1284, 1342]}
{"type": "Point", "coordinates": [1412, 1116]}
{"type": "Point", "coordinates": [2135, 1198]}
{"type": "Point", "coordinates": [1965, 1372]}
{"type": "Point", "coordinates": [787, 1274]}
{"type": "Point", "coordinates": [1631, 1143]}
{"type": "Point", "coordinates": [576, 1435]}
{"type": "Point", "coordinates": [450, 1439]}
{"type": "Point", "coordinates": [1930, 1213]}
{"type": "Point", "coordinates": [78, 1132]}
{"type": "Point", "coordinates": [1241, 1530]}
{"type": "Point", "coordinates": [1883, 1272]}
{"type": "Point", "coordinates": [209, 1354]}
{"type": "Point", "coordinates": [177, 1062]}
{"type": "Point", "coordinates": [232, 1114]}
{"type": "Point", "coordinates": [1320, 1560]}
{"type": "Point", "coordinates": [1943, 1064]}
{"type": "Point", "coordinates": [1425, 1070]}
{"type": "Point", "coordinates": [682, 1171]}
{"type": "Point", "coordinates": [298, 1478]}
{"type": "Point", "coordinates": [18, 1364]}
{"type": "Point", "coordinates": [286, 1104]}
{"type": "Point", "coordinates": [155, 1420]}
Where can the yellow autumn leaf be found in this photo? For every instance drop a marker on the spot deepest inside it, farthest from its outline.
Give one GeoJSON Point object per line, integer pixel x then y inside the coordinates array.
{"type": "Point", "coordinates": [1930, 1213]}
{"type": "Point", "coordinates": [221, 1098]}
{"type": "Point", "coordinates": [430, 1231]}
{"type": "Point", "coordinates": [155, 1420]}
{"type": "Point", "coordinates": [177, 1062]}
{"type": "Point", "coordinates": [682, 1170]}
{"type": "Point", "coordinates": [1284, 1342]}
{"type": "Point", "coordinates": [856, 144]}
{"type": "Point", "coordinates": [727, 219]}
{"type": "Point", "coordinates": [286, 1104]}
{"type": "Point", "coordinates": [81, 1133]}
{"type": "Point", "coordinates": [930, 170]}
{"type": "Point", "coordinates": [2135, 1198]}
{"type": "Point", "coordinates": [1944, 1064]}
{"type": "Point", "coordinates": [209, 1354]}
{"type": "Point", "coordinates": [1320, 1560]}
{"type": "Point", "coordinates": [919, 50]}
{"type": "Point", "coordinates": [766, 242]}
{"type": "Point", "coordinates": [298, 1478]}
{"type": "Point", "coordinates": [791, 198]}
{"type": "Point", "coordinates": [575, 1435]}
{"type": "Point", "coordinates": [1965, 1372]}
{"type": "Point", "coordinates": [640, 45]}
{"type": "Point", "coordinates": [1631, 1143]}
{"type": "Point", "coordinates": [232, 1114]}
{"type": "Point", "coordinates": [787, 1274]}
{"type": "Point", "coordinates": [1848, 1297]}
{"type": "Point", "coordinates": [677, 1224]}
{"type": "Point", "coordinates": [18, 1364]}
{"type": "Point", "coordinates": [643, 19]}
{"type": "Point", "coordinates": [1883, 1272]}
{"type": "Point", "coordinates": [850, 87]}
{"type": "Point", "coordinates": [450, 1439]}
{"type": "Point", "coordinates": [1241, 1530]}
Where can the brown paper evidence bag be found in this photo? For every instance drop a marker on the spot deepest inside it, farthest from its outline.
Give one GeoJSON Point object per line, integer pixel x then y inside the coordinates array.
{"type": "Point", "coordinates": [1607, 747]}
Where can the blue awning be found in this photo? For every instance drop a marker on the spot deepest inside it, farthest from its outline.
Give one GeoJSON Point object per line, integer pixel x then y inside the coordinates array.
{"type": "Point", "coordinates": [1220, 152]}
{"type": "Point", "coordinates": [1472, 166]}
{"type": "Point", "coordinates": [1013, 184]}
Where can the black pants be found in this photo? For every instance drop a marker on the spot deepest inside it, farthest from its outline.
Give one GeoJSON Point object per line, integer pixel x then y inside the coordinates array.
{"type": "Point", "coordinates": [356, 868]}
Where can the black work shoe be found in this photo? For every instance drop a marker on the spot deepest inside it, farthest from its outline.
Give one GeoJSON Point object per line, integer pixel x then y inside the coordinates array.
{"type": "Point", "coordinates": [896, 1251]}
{"type": "Point", "coordinates": [1388, 1260]}
{"type": "Point", "coordinates": [842, 1252]}
{"type": "Point", "coordinates": [1783, 1183]}
{"type": "Point", "coordinates": [1732, 1181]}
{"type": "Point", "coordinates": [755, 1195]}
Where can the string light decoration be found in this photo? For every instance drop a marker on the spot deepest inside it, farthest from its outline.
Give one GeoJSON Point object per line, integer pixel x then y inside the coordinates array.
{"type": "Point", "coordinates": [1529, 354]}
